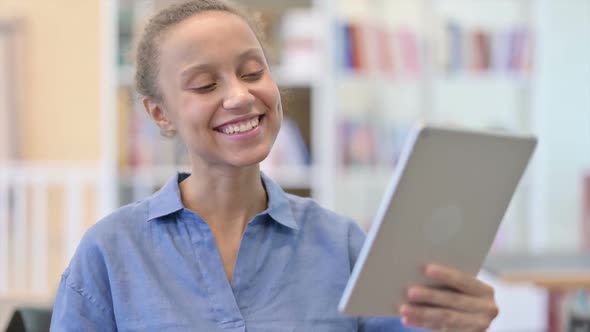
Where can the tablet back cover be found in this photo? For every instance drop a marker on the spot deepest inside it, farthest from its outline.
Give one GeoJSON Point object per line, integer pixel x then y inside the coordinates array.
{"type": "Point", "coordinates": [444, 205]}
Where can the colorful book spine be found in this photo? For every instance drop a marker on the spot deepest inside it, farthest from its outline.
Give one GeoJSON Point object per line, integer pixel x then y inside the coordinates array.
{"type": "Point", "coordinates": [348, 47]}
{"type": "Point", "coordinates": [481, 51]}
{"type": "Point", "coordinates": [455, 49]}
{"type": "Point", "coordinates": [358, 57]}
{"type": "Point", "coordinates": [409, 52]}
{"type": "Point", "coordinates": [366, 48]}
{"type": "Point", "coordinates": [384, 51]}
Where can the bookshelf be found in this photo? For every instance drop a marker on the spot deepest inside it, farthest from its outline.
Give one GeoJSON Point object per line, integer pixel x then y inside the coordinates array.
{"type": "Point", "coordinates": [455, 62]}
{"type": "Point", "coordinates": [357, 75]}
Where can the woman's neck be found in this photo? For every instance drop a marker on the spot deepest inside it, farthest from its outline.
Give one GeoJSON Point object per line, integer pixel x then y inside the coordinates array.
{"type": "Point", "coordinates": [225, 198]}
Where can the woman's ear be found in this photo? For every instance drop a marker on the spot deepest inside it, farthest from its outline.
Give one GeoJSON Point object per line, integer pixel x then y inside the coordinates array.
{"type": "Point", "coordinates": [156, 111]}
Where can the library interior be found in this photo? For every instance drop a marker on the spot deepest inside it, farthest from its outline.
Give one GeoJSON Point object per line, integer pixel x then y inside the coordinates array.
{"type": "Point", "coordinates": [355, 76]}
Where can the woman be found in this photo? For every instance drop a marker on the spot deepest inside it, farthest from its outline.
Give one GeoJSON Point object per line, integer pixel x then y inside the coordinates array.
{"type": "Point", "coordinates": [224, 248]}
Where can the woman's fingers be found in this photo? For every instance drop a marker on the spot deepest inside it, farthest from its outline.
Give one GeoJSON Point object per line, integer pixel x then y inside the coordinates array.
{"type": "Point", "coordinates": [453, 300]}
{"type": "Point", "coordinates": [442, 319]}
{"type": "Point", "coordinates": [468, 304]}
{"type": "Point", "coordinates": [458, 280]}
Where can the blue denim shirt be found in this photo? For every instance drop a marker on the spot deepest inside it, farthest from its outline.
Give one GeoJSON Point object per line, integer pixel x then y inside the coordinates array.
{"type": "Point", "coordinates": [154, 266]}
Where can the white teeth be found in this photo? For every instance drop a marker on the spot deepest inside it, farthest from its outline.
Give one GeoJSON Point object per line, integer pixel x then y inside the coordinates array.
{"type": "Point", "coordinates": [242, 127]}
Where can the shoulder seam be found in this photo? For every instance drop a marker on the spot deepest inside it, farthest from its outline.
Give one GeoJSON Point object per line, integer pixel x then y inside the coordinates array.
{"type": "Point", "coordinates": [85, 295]}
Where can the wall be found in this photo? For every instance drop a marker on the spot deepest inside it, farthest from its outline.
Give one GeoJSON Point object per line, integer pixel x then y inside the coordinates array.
{"type": "Point", "coordinates": [60, 120]}
{"type": "Point", "coordinates": [61, 115]}
{"type": "Point", "coordinates": [561, 105]}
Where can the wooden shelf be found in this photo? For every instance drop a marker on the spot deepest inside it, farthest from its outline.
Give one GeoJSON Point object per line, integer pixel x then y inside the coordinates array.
{"type": "Point", "coordinates": [548, 270]}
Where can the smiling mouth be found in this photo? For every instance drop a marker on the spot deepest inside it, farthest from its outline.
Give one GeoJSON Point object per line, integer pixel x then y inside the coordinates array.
{"type": "Point", "coordinates": [240, 127]}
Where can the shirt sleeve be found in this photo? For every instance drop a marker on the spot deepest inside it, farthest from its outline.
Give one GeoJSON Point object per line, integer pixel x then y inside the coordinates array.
{"type": "Point", "coordinates": [83, 301]}
{"type": "Point", "coordinates": [76, 310]}
{"type": "Point", "coordinates": [356, 238]}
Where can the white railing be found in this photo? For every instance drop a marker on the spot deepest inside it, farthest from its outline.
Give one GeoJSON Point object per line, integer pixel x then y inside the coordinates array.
{"type": "Point", "coordinates": [38, 201]}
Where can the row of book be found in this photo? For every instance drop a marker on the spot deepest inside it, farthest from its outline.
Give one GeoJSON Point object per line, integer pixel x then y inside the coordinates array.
{"type": "Point", "coordinates": [370, 142]}
{"type": "Point", "coordinates": [375, 49]}
{"type": "Point", "coordinates": [367, 47]}
{"type": "Point", "coordinates": [460, 48]}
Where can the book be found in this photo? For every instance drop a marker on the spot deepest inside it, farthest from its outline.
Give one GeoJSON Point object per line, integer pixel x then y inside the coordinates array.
{"type": "Point", "coordinates": [357, 143]}
{"type": "Point", "coordinates": [480, 51]}
{"type": "Point", "coordinates": [519, 50]}
{"type": "Point", "coordinates": [358, 47]}
{"type": "Point", "coordinates": [455, 49]}
{"type": "Point", "coordinates": [383, 50]}
{"type": "Point", "coordinates": [347, 48]}
{"type": "Point", "coordinates": [500, 50]}
{"type": "Point", "coordinates": [410, 62]}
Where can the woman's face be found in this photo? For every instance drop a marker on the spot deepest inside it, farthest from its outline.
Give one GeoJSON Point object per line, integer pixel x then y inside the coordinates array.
{"type": "Point", "coordinates": [217, 90]}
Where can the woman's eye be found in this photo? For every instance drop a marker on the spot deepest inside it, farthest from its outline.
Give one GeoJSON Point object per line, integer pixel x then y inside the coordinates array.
{"type": "Point", "coordinates": [205, 88]}
{"type": "Point", "coordinates": [253, 76]}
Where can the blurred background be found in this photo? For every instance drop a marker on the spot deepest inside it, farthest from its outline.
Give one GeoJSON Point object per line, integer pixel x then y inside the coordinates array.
{"type": "Point", "coordinates": [75, 142]}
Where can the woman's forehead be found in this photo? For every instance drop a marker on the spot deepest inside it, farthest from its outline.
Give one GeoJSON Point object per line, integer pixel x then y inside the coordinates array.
{"type": "Point", "coordinates": [210, 35]}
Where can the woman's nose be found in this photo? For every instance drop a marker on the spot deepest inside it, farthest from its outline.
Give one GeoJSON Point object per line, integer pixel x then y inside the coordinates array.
{"type": "Point", "coordinates": [238, 96]}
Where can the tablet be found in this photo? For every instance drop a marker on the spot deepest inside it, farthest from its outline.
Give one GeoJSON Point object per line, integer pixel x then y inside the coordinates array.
{"type": "Point", "coordinates": [444, 204]}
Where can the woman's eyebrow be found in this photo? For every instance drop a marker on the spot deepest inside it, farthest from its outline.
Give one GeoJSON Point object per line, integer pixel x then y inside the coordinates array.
{"type": "Point", "coordinates": [191, 69]}
{"type": "Point", "coordinates": [249, 53]}
{"type": "Point", "coordinates": [186, 73]}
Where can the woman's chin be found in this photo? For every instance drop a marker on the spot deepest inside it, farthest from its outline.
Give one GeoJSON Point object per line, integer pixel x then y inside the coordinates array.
{"type": "Point", "coordinates": [249, 158]}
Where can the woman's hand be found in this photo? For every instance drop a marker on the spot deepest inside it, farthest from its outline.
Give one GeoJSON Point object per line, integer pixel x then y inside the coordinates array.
{"type": "Point", "coordinates": [467, 305]}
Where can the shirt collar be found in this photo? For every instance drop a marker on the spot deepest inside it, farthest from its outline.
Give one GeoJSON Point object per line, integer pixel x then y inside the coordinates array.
{"type": "Point", "coordinates": [279, 208]}
{"type": "Point", "coordinates": [167, 200]}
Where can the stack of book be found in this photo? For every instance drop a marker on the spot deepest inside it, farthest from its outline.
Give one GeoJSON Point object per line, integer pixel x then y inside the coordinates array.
{"type": "Point", "coordinates": [367, 48]}
{"type": "Point", "coordinates": [461, 49]}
